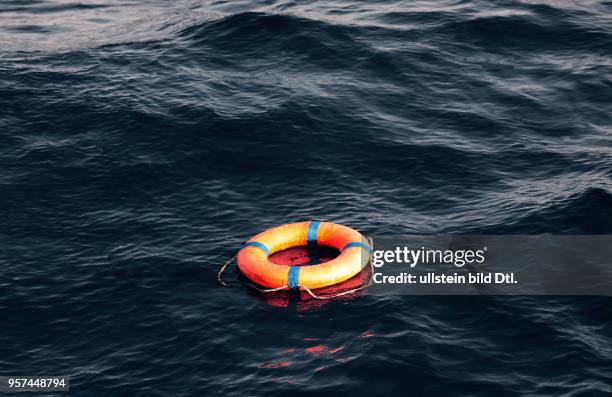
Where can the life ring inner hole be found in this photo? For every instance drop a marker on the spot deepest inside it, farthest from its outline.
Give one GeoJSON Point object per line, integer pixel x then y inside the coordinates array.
{"type": "Point", "coordinates": [304, 255]}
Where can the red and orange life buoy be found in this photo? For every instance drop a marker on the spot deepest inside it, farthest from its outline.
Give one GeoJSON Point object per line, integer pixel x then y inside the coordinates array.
{"type": "Point", "coordinates": [354, 255]}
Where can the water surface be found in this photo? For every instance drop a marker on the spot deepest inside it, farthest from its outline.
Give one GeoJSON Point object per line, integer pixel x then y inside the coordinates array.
{"type": "Point", "coordinates": [142, 142]}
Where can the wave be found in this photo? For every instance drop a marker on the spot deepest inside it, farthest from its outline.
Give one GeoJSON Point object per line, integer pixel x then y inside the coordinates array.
{"type": "Point", "coordinates": [39, 7]}
{"type": "Point", "coordinates": [587, 212]}
{"type": "Point", "coordinates": [526, 33]}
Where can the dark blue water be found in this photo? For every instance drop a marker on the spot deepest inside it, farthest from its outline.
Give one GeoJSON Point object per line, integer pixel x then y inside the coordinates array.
{"type": "Point", "coordinates": [141, 142]}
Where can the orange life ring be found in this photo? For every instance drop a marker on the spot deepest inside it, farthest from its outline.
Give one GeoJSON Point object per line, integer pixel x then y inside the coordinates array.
{"type": "Point", "coordinates": [354, 255]}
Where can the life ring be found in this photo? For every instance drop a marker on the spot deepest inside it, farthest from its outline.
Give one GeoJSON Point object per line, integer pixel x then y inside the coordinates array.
{"type": "Point", "coordinates": [354, 255]}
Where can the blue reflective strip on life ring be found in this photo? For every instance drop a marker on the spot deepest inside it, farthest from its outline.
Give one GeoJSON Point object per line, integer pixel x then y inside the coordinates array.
{"type": "Point", "coordinates": [293, 277]}
{"type": "Point", "coordinates": [358, 244]}
{"type": "Point", "coordinates": [257, 244]}
{"type": "Point", "coordinates": [311, 234]}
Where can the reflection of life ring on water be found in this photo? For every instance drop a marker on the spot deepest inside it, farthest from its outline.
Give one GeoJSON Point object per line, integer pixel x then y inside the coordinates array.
{"type": "Point", "coordinates": [354, 250]}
